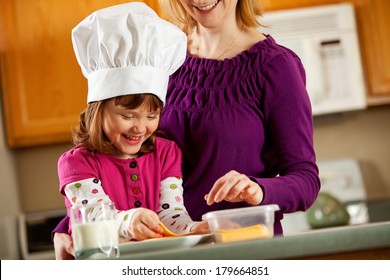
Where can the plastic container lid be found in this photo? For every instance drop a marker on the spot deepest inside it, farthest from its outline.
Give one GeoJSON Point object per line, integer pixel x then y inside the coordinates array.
{"type": "Point", "coordinates": [250, 210]}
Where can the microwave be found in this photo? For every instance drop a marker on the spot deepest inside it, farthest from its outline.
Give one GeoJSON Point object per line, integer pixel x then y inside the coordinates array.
{"type": "Point", "coordinates": [326, 40]}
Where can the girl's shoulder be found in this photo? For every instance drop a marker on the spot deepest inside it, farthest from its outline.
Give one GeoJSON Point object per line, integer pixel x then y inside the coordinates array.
{"type": "Point", "coordinates": [77, 156]}
{"type": "Point", "coordinates": [76, 164]}
{"type": "Point", "coordinates": [77, 152]}
{"type": "Point", "coordinates": [164, 143]}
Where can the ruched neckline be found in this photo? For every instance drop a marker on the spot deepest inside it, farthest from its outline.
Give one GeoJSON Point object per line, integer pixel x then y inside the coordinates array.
{"type": "Point", "coordinates": [229, 62]}
{"type": "Point", "coordinates": [209, 84]}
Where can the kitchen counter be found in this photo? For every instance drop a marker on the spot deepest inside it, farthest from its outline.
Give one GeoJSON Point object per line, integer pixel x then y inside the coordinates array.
{"type": "Point", "coordinates": [366, 241]}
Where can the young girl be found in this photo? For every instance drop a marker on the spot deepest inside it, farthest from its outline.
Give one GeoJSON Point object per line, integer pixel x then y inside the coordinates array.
{"type": "Point", "coordinates": [127, 54]}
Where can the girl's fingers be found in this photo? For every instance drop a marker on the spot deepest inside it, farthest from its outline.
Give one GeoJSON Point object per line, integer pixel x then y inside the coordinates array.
{"type": "Point", "coordinates": [154, 225]}
{"type": "Point", "coordinates": [146, 225]}
{"type": "Point", "coordinates": [201, 227]}
{"type": "Point", "coordinates": [144, 232]}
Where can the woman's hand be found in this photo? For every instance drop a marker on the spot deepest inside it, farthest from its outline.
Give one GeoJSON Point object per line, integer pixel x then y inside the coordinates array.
{"type": "Point", "coordinates": [200, 227]}
{"type": "Point", "coordinates": [145, 225]}
{"type": "Point", "coordinates": [63, 246]}
{"type": "Point", "coordinates": [235, 187]}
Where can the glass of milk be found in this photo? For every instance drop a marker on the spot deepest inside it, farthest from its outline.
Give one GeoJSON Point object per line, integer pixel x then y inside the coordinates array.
{"type": "Point", "coordinates": [94, 230]}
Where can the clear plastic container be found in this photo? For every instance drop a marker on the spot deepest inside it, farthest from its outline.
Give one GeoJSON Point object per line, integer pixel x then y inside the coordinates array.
{"type": "Point", "coordinates": [242, 223]}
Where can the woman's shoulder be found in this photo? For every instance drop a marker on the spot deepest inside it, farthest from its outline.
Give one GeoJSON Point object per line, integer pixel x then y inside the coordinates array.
{"type": "Point", "coordinates": [267, 55]}
{"type": "Point", "coordinates": [269, 49]}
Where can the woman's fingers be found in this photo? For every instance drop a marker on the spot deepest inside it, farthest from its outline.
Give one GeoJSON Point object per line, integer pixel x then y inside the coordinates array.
{"type": "Point", "coordinates": [226, 188]}
{"type": "Point", "coordinates": [235, 187]}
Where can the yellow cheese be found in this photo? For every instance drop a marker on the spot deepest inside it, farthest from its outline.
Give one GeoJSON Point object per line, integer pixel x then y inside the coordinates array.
{"type": "Point", "coordinates": [168, 233]}
{"type": "Point", "coordinates": [231, 235]}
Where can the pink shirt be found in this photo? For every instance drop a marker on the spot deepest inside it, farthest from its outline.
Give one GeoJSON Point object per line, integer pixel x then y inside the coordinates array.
{"type": "Point", "coordinates": [130, 183]}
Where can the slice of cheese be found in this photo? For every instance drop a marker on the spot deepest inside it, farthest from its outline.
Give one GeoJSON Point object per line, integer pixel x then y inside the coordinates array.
{"type": "Point", "coordinates": [168, 233]}
{"type": "Point", "coordinates": [231, 235]}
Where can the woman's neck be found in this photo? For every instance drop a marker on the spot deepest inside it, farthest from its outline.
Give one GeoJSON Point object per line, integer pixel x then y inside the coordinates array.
{"type": "Point", "coordinates": [223, 42]}
{"type": "Point", "coordinates": [213, 42]}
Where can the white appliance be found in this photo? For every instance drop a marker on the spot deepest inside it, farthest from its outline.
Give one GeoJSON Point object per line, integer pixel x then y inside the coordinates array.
{"type": "Point", "coordinates": [325, 38]}
{"type": "Point", "coordinates": [343, 179]}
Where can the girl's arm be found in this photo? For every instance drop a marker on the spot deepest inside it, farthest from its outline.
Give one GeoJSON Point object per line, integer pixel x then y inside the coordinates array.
{"type": "Point", "coordinates": [172, 211]}
{"type": "Point", "coordinates": [89, 192]}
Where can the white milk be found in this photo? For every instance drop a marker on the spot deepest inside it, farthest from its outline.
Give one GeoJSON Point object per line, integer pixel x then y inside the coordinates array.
{"type": "Point", "coordinates": [95, 235]}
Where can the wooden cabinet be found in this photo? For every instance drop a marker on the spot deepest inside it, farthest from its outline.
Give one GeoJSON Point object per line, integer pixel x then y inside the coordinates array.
{"type": "Point", "coordinates": [43, 90]}
{"type": "Point", "coordinates": [373, 22]}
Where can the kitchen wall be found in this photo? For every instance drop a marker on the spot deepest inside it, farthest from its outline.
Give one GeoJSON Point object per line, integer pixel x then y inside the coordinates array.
{"type": "Point", "coordinates": [364, 135]}
{"type": "Point", "coordinates": [9, 200]}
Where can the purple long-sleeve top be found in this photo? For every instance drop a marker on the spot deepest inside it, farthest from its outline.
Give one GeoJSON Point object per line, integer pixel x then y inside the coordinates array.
{"type": "Point", "coordinates": [251, 114]}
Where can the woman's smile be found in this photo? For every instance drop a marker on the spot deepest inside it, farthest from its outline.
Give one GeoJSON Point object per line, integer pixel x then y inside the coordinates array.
{"type": "Point", "coordinates": [207, 7]}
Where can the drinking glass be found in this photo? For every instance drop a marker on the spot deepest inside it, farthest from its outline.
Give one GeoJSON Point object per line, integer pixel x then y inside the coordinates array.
{"type": "Point", "coordinates": [94, 230]}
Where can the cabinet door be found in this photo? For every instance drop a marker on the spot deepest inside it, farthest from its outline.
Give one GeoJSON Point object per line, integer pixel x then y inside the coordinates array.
{"type": "Point", "coordinates": [288, 4]}
{"type": "Point", "coordinates": [43, 88]}
{"type": "Point", "coordinates": [374, 24]}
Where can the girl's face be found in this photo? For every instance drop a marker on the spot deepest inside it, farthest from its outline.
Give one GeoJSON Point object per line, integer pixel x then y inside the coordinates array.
{"type": "Point", "coordinates": [127, 129]}
{"type": "Point", "coordinates": [211, 13]}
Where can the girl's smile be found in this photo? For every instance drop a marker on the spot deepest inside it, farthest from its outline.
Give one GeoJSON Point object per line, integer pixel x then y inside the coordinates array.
{"type": "Point", "coordinates": [128, 129]}
{"type": "Point", "coordinates": [133, 140]}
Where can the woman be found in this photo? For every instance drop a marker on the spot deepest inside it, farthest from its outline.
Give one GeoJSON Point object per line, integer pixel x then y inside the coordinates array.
{"type": "Point", "coordinates": [239, 110]}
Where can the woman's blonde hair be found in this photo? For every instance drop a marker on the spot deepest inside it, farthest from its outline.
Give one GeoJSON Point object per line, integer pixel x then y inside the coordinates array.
{"type": "Point", "coordinates": [89, 132]}
{"type": "Point", "coordinates": [247, 12]}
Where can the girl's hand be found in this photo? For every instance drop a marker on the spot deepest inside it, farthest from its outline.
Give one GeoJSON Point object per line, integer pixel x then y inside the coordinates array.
{"type": "Point", "coordinates": [145, 225]}
{"type": "Point", "coordinates": [235, 187]}
{"type": "Point", "coordinates": [201, 227]}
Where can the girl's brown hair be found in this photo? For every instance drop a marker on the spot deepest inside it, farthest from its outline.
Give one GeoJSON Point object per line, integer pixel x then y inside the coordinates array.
{"type": "Point", "coordinates": [247, 12]}
{"type": "Point", "coordinates": [89, 132]}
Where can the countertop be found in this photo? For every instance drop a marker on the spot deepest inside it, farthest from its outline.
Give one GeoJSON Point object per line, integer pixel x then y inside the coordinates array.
{"type": "Point", "coordinates": [365, 241]}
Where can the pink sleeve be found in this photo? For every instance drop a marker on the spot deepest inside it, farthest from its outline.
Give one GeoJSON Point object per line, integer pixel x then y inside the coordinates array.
{"type": "Point", "coordinates": [76, 165]}
{"type": "Point", "coordinates": [171, 158]}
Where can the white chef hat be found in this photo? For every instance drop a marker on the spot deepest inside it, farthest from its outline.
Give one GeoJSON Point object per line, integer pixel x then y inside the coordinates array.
{"type": "Point", "coordinates": [127, 49]}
